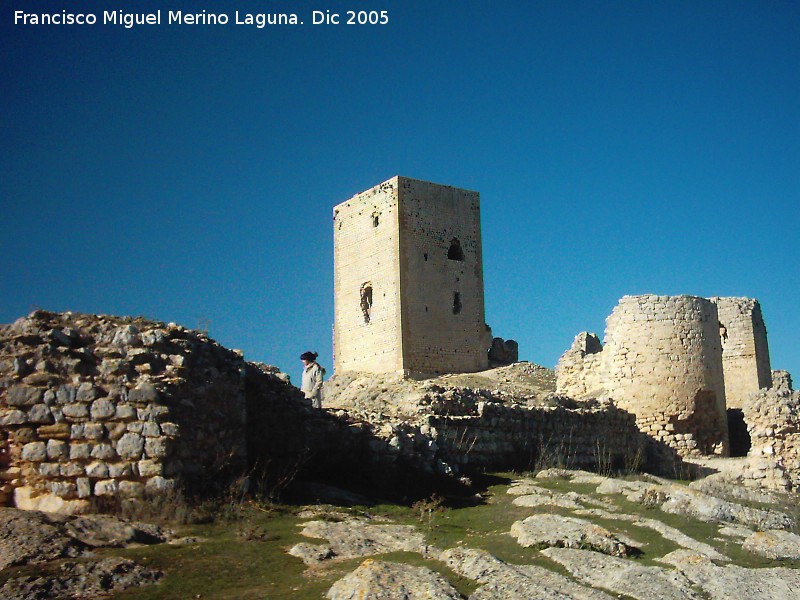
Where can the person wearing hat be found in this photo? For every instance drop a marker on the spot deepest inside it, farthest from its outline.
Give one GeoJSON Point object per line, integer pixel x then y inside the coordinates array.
{"type": "Point", "coordinates": [312, 378]}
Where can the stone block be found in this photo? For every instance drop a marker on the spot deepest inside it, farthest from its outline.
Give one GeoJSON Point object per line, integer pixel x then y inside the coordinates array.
{"type": "Point", "coordinates": [131, 489]}
{"type": "Point", "coordinates": [135, 427]}
{"type": "Point", "coordinates": [49, 469]}
{"type": "Point", "coordinates": [170, 429]}
{"type": "Point", "coordinates": [97, 470]}
{"type": "Point", "coordinates": [40, 414]}
{"type": "Point", "coordinates": [151, 429]}
{"type": "Point", "coordinates": [57, 449]}
{"type": "Point", "coordinates": [125, 412]}
{"type": "Point", "coordinates": [106, 487]}
{"type": "Point", "coordinates": [86, 392]}
{"type": "Point", "coordinates": [150, 468]}
{"type": "Point", "coordinates": [79, 451]}
{"type": "Point", "coordinates": [94, 431]}
{"type": "Point", "coordinates": [103, 452]}
{"type": "Point", "coordinates": [130, 445]}
{"type": "Point", "coordinates": [157, 447]}
{"type": "Point", "coordinates": [34, 452]}
{"type": "Point", "coordinates": [84, 487]}
{"type": "Point", "coordinates": [143, 393]}
{"type": "Point", "coordinates": [23, 395]}
{"type": "Point", "coordinates": [66, 395]}
{"type": "Point", "coordinates": [63, 489]}
{"type": "Point", "coordinates": [116, 430]}
{"type": "Point", "coordinates": [72, 469]}
{"type": "Point", "coordinates": [120, 470]}
{"type": "Point", "coordinates": [13, 417]}
{"type": "Point", "coordinates": [159, 485]}
{"type": "Point", "coordinates": [75, 411]}
{"type": "Point", "coordinates": [102, 408]}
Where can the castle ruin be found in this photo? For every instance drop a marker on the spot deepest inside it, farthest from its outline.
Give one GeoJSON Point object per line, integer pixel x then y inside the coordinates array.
{"type": "Point", "coordinates": [408, 280]}
{"type": "Point", "coordinates": [679, 363]}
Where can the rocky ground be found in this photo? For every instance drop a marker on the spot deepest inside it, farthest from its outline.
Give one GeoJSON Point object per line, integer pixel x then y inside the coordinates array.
{"type": "Point", "coordinates": [63, 552]}
{"type": "Point", "coordinates": [559, 534]}
{"type": "Point", "coordinates": [603, 550]}
{"type": "Point", "coordinates": [392, 395]}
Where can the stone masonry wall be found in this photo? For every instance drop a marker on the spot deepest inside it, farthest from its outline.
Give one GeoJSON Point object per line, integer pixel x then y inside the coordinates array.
{"type": "Point", "coordinates": [579, 372]}
{"type": "Point", "coordinates": [457, 429]}
{"type": "Point", "coordinates": [662, 361]}
{"type": "Point", "coordinates": [773, 422]}
{"type": "Point", "coordinates": [95, 406]}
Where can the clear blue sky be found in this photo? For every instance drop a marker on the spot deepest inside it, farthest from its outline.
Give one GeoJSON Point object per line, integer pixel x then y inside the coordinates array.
{"type": "Point", "coordinates": [188, 174]}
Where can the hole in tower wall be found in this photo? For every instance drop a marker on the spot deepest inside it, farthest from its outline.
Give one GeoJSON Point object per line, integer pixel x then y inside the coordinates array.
{"type": "Point", "coordinates": [375, 220]}
{"type": "Point", "coordinates": [366, 301]}
{"type": "Point", "coordinates": [455, 252]}
{"type": "Point", "coordinates": [737, 433]}
{"type": "Point", "coordinates": [456, 303]}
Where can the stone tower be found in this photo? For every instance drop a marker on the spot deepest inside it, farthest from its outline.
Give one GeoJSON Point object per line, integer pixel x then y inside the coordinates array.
{"type": "Point", "coordinates": [408, 280]}
{"type": "Point", "coordinates": [745, 351]}
{"type": "Point", "coordinates": [662, 361]}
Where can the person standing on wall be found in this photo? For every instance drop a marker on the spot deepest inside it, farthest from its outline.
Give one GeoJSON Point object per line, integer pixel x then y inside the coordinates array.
{"type": "Point", "coordinates": [311, 385]}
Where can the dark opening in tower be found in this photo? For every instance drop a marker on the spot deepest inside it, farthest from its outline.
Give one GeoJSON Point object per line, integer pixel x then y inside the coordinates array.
{"type": "Point", "coordinates": [455, 252]}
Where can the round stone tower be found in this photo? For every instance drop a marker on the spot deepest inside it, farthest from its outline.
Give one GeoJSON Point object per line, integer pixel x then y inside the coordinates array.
{"type": "Point", "coordinates": [662, 361]}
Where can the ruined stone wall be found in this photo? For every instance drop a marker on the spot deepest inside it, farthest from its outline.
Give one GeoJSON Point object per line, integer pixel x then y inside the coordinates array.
{"type": "Point", "coordinates": [408, 280]}
{"type": "Point", "coordinates": [579, 372]}
{"type": "Point", "coordinates": [503, 352]}
{"type": "Point", "coordinates": [745, 352]}
{"type": "Point", "coordinates": [113, 407]}
{"type": "Point", "coordinates": [662, 361]}
{"type": "Point", "coordinates": [454, 429]}
{"type": "Point", "coordinates": [501, 437]}
{"type": "Point", "coordinates": [773, 422]}
{"type": "Point", "coordinates": [366, 282]}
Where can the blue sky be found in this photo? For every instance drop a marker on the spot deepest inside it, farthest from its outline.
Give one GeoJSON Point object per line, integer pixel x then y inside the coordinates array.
{"type": "Point", "coordinates": [188, 174]}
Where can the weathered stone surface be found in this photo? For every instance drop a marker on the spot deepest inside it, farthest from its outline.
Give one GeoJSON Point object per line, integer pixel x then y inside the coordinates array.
{"type": "Point", "coordinates": [34, 452]}
{"type": "Point", "coordinates": [80, 451]}
{"type": "Point", "coordinates": [378, 580]}
{"type": "Point", "coordinates": [567, 532]}
{"type": "Point", "coordinates": [356, 537]}
{"type": "Point", "coordinates": [103, 452]}
{"type": "Point", "coordinates": [311, 554]}
{"type": "Point", "coordinates": [666, 531]}
{"type": "Point", "coordinates": [98, 390]}
{"type": "Point", "coordinates": [86, 392]}
{"type": "Point", "coordinates": [57, 449]}
{"type": "Point", "coordinates": [684, 501]}
{"type": "Point", "coordinates": [730, 581]}
{"type": "Point", "coordinates": [130, 445]}
{"type": "Point", "coordinates": [30, 537]}
{"type": "Point", "coordinates": [623, 576]}
{"type": "Point", "coordinates": [102, 408]}
{"type": "Point", "coordinates": [82, 580]}
{"type": "Point", "coordinates": [40, 414]}
{"type": "Point", "coordinates": [143, 393]}
{"type": "Point", "coordinates": [28, 498]}
{"type": "Point", "coordinates": [504, 581]}
{"type": "Point", "coordinates": [106, 487]}
{"type": "Point", "coordinates": [13, 417]}
{"type": "Point", "coordinates": [533, 495]}
{"type": "Point", "coordinates": [22, 395]}
{"type": "Point", "coordinates": [775, 544]}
